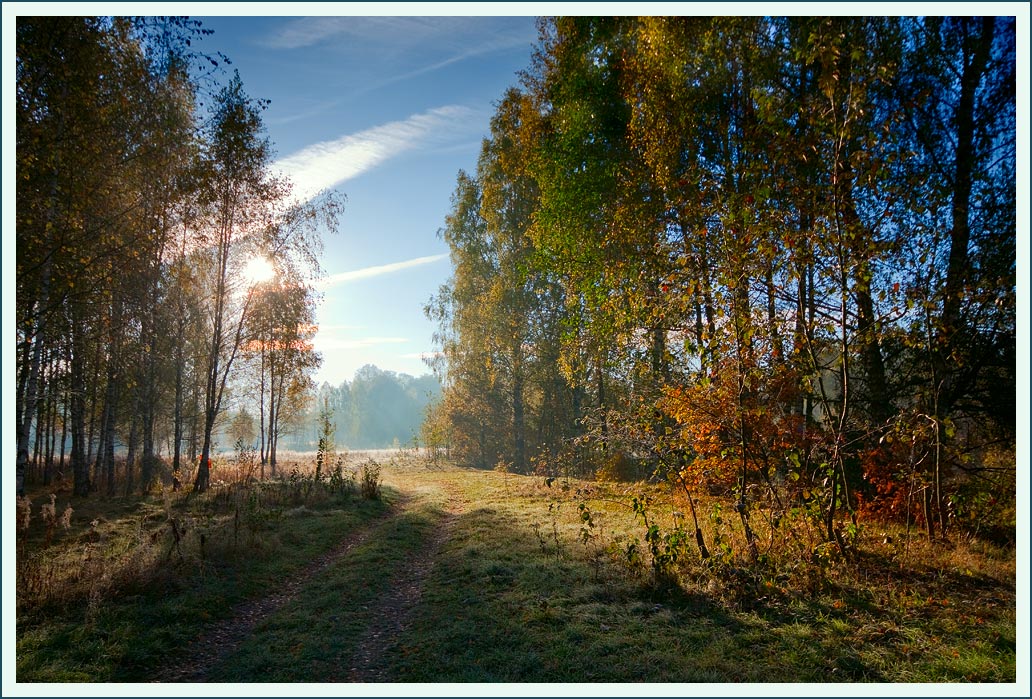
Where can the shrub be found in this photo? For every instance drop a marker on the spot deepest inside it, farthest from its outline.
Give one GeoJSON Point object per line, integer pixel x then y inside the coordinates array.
{"type": "Point", "coordinates": [342, 480]}
{"type": "Point", "coordinates": [370, 483]}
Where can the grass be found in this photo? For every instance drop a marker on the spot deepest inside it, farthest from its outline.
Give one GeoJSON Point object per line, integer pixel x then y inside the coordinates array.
{"type": "Point", "coordinates": [314, 638]}
{"type": "Point", "coordinates": [519, 595]}
{"type": "Point", "coordinates": [114, 597]}
{"type": "Point", "coordinates": [522, 590]}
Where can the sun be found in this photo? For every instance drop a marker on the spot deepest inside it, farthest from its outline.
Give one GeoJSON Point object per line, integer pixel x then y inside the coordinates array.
{"type": "Point", "coordinates": [258, 269]}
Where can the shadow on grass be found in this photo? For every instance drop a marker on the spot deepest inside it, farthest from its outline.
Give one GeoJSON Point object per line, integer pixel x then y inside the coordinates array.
{"type": "Point", "coordinates": [316, 636]}
{"type": "Point", "coordinates": [118, 619]}
{"type": "Point", "coordinates": [500, 607]}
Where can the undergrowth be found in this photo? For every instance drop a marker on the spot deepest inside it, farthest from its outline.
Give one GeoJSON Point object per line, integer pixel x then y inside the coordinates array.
{"type": "Point", "coordinates": [557, 580]}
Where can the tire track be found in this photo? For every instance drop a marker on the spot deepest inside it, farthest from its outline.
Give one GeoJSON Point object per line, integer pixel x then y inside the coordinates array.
{"type": "Point", "coordinates": [394, 613]}
{"type": "Point", "coordinates": [207, 651]}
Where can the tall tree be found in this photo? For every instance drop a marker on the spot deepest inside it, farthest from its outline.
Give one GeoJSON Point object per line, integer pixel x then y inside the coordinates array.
{"type": "Point", "coordinates": [92, 115]}
{"type": "Point", "coordinates": [958, 93]}
{"type": "Point", "coordinates": [238, 198]}
{"type": "Point", "coordinates": [474, 405]}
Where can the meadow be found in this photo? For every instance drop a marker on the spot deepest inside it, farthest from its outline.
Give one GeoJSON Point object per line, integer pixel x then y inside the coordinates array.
{"type": "Point", "coordinates": [385, 567]}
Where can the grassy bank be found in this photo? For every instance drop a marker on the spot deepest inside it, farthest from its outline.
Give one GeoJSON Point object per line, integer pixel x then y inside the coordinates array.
{"type": "Point", "coordinates": [526, 592]}
{"type": "Point", "coordinates": [118, 594]}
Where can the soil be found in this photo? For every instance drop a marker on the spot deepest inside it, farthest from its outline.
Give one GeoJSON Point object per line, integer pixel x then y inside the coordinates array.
{"type": "Point", "coordinates": [394, 612]}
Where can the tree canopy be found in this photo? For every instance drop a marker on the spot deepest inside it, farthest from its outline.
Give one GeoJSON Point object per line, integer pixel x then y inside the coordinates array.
{"type": "Point", "coordinates": [744, 254]}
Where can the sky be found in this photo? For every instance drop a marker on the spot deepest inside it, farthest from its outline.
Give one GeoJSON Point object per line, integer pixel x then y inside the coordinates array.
{"type": "Point", "coordinates": [386, 110]}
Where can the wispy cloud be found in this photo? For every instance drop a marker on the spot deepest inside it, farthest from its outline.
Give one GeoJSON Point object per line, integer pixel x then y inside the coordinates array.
{"type": "Point", "coordinates": [307, 31]}
{"type": "Point", "coordinates": [376, 271]}
{"type": "Point", "coordinates": [405, 47]}
{"type": "Point", "coordinates": [488, 45]}
{"type": "Point", "coordinates": [393, 31]}
{"type": "Point", "coordinates": [322, 165]}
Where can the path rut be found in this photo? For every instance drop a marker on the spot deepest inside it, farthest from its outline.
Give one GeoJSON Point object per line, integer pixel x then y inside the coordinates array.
{"type": "Point", "coordinates": [390, 617]}
{"type": "Point", "coordinates": [208, 650]}
{"type": "Point", "coordinates": [394, 612]}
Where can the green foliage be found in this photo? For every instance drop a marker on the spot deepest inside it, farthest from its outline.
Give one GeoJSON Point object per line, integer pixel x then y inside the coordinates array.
{"type": "Point", "coordinates": [369, 480]}
{"type": "Point", "coordinates": [705, 305]}
{"type": "Point", "coordinates": [304, 485]}
{"type": "Point", "coordinates": [501, 317]}
{"type": "Point", "coordinates": [434, 433]}
{"type": "Point", "coordinates": [988, 511]}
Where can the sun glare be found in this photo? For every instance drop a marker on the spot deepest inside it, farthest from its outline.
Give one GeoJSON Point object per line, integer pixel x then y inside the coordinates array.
{"type": "Point", "coordinates": [258, 269]}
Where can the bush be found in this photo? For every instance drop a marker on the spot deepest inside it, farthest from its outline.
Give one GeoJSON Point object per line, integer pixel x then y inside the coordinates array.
{"type": "Point", "coordinates": [370, 483]}
{"type": "Point", "coordinates": [342, 480]}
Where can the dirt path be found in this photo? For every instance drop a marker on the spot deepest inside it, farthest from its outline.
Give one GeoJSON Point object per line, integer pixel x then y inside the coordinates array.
{"type": "Point", "coordinates": [394, 612]}
{"type": "Point", "coordinates": [207, 651]}
{"type": "Point", "coordinates": [390, 617]}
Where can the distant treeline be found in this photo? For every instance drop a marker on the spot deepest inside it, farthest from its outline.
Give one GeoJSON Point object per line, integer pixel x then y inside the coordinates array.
{"type": "Point", "coordinates": [377, 409]}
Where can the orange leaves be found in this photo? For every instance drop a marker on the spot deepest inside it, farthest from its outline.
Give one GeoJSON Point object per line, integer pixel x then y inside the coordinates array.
{"type": "Point", "coordinates": [716, 422]}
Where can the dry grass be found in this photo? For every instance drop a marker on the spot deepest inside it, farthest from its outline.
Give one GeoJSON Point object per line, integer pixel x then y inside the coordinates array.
{"type": "Point", "coordinates": [527, 572]}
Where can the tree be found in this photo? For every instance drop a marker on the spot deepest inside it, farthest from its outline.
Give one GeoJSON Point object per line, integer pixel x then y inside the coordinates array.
{"type": "Point", "coordinates": [475, 409]}
{"type": "Point", "coordinates": [280, 342]}
{"type": "Point", "coordinates": [241, 428]}
{"type": "Point", "coordinates": [94, 114]}
{"type": "Point", "coordinates": [957, 92]}
{"type": "Point", "coordinates": [773, 242]}
{"type": "Point", "coordinates": [498, 315]}
{"type": "Point", "coordinates": [133, 221]}
{"type": "Point", "coordinates": [238, 198]}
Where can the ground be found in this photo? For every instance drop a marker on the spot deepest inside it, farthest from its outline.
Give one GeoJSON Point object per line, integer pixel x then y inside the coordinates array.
{"type": "Point", "coordinates": [457, 575]}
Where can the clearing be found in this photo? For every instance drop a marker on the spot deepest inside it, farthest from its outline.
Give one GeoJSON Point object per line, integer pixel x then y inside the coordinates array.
{"type": "Point", "coordinates": [454, 575]}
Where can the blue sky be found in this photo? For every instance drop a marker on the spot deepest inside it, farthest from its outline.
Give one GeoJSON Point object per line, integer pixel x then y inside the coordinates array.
{"type": "Point", "coordinates": [386, 110]}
